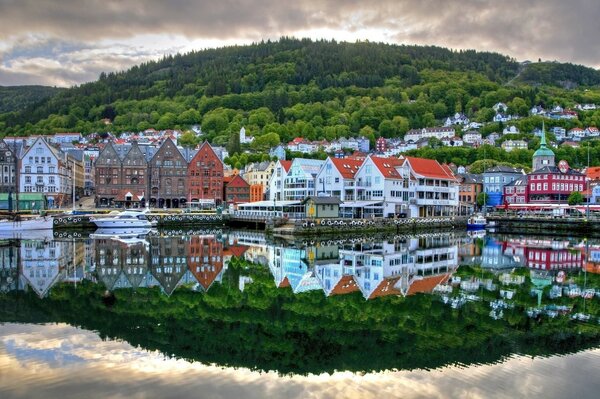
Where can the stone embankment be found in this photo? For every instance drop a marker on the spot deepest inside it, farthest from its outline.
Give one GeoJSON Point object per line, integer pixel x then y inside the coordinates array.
{"type": "Point", "coordinates": [310, 227]}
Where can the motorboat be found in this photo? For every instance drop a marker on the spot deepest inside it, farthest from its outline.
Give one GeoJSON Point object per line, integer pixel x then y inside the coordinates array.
{"type": "Point", "coordinates": [127, 236]}
{"type": "Point", "coordinates": [130, 218]}
{"type": "Point", "coordinates": [476, 222]}
{"type": "Point", "coordinates": [20, 223]}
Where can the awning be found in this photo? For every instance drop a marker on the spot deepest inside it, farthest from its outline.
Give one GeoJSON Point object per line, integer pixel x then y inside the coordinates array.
{"type": "Point", "coordinates": [360, 204]}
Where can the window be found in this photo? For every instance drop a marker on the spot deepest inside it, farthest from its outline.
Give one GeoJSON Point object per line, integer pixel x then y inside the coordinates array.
{"type": "Point", "coordinates": [27, 169]}
{"type": "Point", "coordinates": [40, 169]}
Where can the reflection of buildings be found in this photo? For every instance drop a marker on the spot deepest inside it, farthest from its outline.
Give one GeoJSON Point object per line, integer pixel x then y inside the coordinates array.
{"type": "Point", "coordinates": [43, 261]}
{"type": "Point", "coordinates": [205, 259]}
{"type": "Point", "coordinates": [398, 267]}
{"type": "Point", "coordinates": [534, 253]}
{"type": "Point", "coordinates": [290, 268]}
{"type": "Point", "coordinates": [9, 272]}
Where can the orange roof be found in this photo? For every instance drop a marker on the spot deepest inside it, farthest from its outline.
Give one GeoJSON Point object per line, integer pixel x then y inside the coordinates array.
{"type": "Point", "coordinates": [286, 165]}
{"type": "Point", "coordinates": [593, 173]}
{"type": "Point", "coordinates": [427, 284]}
{"type": "Point", "coordinates": [347, 167]}
{"type": "Point", "coordinates": [346, 285]}
{"type": "Point", "coordinates": [592, 267]}
{"type": "Point", "coordinates": [429, 168]}
{"type": "Point", "coordinates": [237, 181]}
{"type": "Point", "coordinates": [284, 283]}
{"type": "Point", "coordinates": [386, 287]}
{"type": "Point", "coordinates": [387, 166]}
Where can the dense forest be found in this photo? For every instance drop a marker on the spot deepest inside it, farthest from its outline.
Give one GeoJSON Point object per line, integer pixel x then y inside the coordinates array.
{"type": "Point", "coordinates": [315, 89]}
{"type": "Point", "coordinates": [18, 98]}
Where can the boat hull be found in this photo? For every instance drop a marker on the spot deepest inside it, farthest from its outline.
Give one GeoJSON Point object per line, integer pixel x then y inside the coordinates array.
{"type": "Point", "coordinates": [475, 226]}
{"type": "Point", "coordinates": [122, 224]}
{"type": "Point", "coordinates": [43, 223]}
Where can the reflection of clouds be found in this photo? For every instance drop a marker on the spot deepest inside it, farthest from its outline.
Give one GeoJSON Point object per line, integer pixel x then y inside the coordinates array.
{"type": "Point", "coordinates": [115, 368]}
{"type": "Point", "coordinates": [525, 30]}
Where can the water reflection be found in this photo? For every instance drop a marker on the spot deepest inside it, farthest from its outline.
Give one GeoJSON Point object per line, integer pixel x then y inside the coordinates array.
{"type": "Point", "coordinates": [240, 298]}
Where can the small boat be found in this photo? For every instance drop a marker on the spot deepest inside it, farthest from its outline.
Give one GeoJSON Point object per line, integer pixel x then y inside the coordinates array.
{"type": "Point", "coordinates": [476, 222]}
{"type": "Point", "coordinates": [20, 224]}
{"type": "Point", "coordinates": [131, 218]}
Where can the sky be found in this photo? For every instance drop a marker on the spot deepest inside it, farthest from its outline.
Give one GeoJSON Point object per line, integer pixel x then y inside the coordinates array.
{"type": "Point", "coordinates": [68, 42]}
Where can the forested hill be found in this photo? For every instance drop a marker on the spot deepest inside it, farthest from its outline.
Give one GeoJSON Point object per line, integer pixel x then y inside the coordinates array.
{"type": "Point", "coordinates": [291, 87]}
{"type": "Point", "coordinates": [17, 98]}
{"type": "Point", "coordinates": [559, 74]}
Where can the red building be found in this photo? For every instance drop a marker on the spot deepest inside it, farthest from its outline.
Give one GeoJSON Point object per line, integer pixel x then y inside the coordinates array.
{"type": "Point", "coordinates": [205, 259]}
{"type": "Point", "coordinates": [554, 185]}
{"type": "Point", "coordinates": [237, 190]}
{"type": "Point", "coordinates": [381, 145]}
{"type": "Point", "coordinates": [205, 176]}
{"type": "Point", "coordinates": [516, 192]}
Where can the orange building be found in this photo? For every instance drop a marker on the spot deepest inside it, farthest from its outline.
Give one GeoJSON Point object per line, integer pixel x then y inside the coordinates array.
{"type": "Point", "coordinates": [256, 192]}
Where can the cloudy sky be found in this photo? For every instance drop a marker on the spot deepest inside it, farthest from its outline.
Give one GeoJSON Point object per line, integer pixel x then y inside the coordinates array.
{"type": "Point", "coordinates": [66, 42]}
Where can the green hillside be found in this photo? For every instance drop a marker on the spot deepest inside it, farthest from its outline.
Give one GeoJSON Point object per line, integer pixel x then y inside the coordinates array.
{"type": "Point", "coordinates": [17, 98]}
{"type": "Point", "coordinates": [289, 88]}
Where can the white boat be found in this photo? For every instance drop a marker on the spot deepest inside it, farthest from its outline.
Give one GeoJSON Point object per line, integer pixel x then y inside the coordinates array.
{"type": "Point", "coordinates": [476, 222]}
{"type": "Point", "coordinates": [131, 218]}
{"type": "Point", "coordinates": [35, 223]}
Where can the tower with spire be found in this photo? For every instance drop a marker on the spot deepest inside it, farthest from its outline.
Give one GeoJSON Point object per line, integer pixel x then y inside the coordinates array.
{"type": "Point", "coordinates": [543, 156]}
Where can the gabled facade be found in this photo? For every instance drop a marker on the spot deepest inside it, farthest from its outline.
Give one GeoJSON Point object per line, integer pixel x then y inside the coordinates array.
{"type": "Point", "coordinates": [280, 171]}
{"type": "Point", "coordinates": [336, 178]}
{"type": "Point", "coordinates": [300, 181]}
{"type": "Point", "coordinates": [108, 176]}
{"type": "Point", "coordinates": [8, 167]}
{"type": "Point", "coordinates": [237, 191]}
{"type": "Point", "coordinates": [168, 170]}
{"type": "Point", "coordinates": [44, 169]}
{"type": "Point", "coordinates": [134, 176]}
{"type": "Point", "coordinates": [436, 188]}
{"type": "Point", "coordinates": [205, 176]}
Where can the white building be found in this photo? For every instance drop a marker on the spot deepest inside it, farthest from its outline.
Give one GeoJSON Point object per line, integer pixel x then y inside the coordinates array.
{"type": "Point", "coordinates": [510, 145]}
{"type": "Point", "coordinates": [243, 138]}
{"type": "Point", "coordinates": [44, 169]}
{"type": "Point", "coordinates": [472, 137]}
{"type": "Point", "coordinates": [275, 186]}
{"type": "Point", "coordinates": [300, 181]}
{"type": "Point", "coordinates": [429, 132]}
{"type": "Point", "coordinates": [336, 178]}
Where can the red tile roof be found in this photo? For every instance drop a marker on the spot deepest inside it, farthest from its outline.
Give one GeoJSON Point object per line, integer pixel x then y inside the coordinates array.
{"type": "Point", "coordinates": [346, 285]}
{"type": "Point", "coordinates": [347, 167]}
{"type": "Point", "coordinates": [427, 284]}
{"type": "Point", "coordinates": [386, 287]}
{"type": "Point", "coordinates": [286, 165]}
{"type": "Point", "coordinates": [429, 168]}
{"type": "Point", "coordinates": [387, 166]}
{"type": "Point", "coordinates": [593, 173]}
{"type": "Point", "coordinates": [284, 283]}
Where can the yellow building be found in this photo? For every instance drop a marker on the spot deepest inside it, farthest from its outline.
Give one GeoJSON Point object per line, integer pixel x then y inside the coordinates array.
{"type": "Point", "coordinates": [259, 174]}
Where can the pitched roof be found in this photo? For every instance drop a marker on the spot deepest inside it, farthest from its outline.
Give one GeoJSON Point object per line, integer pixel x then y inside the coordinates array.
{"type": "Point", "coordinates": [429, 168]}
{"type": "Point", "coordinates": [593, 173]}
{"type": "Point", "coordinates": [323, 200]}
{"type": "Point", "coordinates": [386, 287]}
{"type": "Point", "coordinates": [345, 285]}
{"type": "Point", "coordinates": [238, 181]}
{"type": "Point", "coordinates": [387, 167]}
{"type": "Point", "coordinates": [346, 166]}
{"type": "Point", "coordinates": [427, 284]}
{"type": "Point", "coordinates": [286, 164]}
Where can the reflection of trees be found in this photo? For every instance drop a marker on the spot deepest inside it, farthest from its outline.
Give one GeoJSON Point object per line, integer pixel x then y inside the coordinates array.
{"type": "Point", "coordinates": [268, 328]}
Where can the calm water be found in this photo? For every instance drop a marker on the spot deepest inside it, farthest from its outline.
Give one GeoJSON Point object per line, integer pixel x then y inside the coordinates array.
{"type": "Point", "coordinates": [225, 314]}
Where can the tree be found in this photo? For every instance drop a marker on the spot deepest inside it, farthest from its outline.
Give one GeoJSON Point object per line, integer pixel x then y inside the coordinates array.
{"type": "Point", "coordinates": [575, 198]}
{"type": "Point", "coordinates": [482, 199]}
{"type": "Point", "coordinates": [234, 146]}
{"type": "Point", "coordinates": [188, 140]}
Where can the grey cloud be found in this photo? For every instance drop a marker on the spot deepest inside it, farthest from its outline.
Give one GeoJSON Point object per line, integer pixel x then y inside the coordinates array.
{"type": "Point", "coordinates": [548, 29]}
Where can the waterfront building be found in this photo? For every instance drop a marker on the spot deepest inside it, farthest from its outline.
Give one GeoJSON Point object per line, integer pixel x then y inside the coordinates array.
{"type": "Point", "coordinates": [549, 183]}
{"type": "Point", "coordinates": [494, 180]}
{"type": "Point", "coordinates": [236, 190]}
{"type": "Point", "coordinates": [516, 192]}
{"type": "Point", "coordinates": [258, 175]}
{"type": "Point", "coordinates": [280, 171]}
{"type": "Point", "coordinates": [336, 178]}
{"type": "Point", "coordinates": [46, 170]}
{"type": "Point", "coordinates": [205, 177]}
{"type": "Point", "coordinates": [300, 181]}
{"type": "Point", "coordinates": [470, 185]}
{"type": "Point", "coordinates": [168, 173]}
{"type": "Point", "coordinates": [8, 166]}
{"type": "Point", "coordinates": [436, 189]}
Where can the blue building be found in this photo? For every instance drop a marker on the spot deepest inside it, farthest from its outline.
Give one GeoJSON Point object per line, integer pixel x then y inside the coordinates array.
{"type": "Point", "coordinates": [494, 180]}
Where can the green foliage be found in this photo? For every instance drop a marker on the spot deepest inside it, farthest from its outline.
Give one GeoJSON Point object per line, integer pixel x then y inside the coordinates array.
{"type": "Point", "coordinates": [575, 198]}
{"type": "Point", "coordinates": [482, 199]}
{"type": "Point", "coordinates": [18, 98]}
